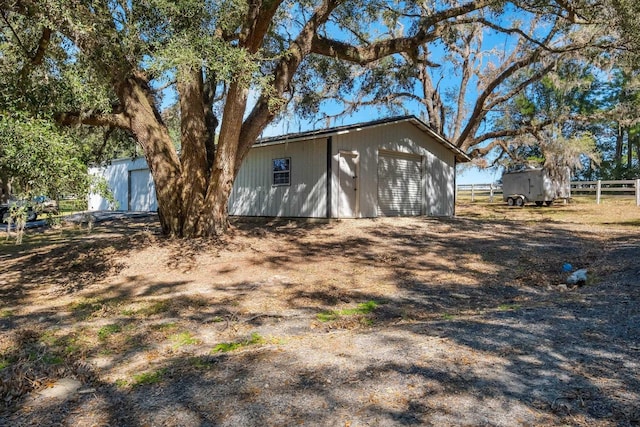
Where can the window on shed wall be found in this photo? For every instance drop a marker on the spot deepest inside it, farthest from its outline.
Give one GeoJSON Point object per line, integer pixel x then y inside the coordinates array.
{"type": "Point", "coordinates": [282, 171]}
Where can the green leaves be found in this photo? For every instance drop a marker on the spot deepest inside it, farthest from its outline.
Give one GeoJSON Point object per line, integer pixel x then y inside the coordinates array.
{"type": "Point", "coordinates": [39, 157]}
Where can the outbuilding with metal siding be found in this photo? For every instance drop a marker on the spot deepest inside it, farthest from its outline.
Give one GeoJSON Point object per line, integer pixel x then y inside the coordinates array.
{"type": "Point", "coordinates": [391, 167]}
{"type": "Point", "coordinates": [131, 186]}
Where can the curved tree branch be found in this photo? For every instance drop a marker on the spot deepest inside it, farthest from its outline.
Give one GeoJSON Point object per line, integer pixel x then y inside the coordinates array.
{"type": "Point", "coordinates": [473, 122]}
{"type": "Point", "coordinates": [483, 151]}
{"type": "Point", "coordinates": [38, 56]}
{"type": "Point", "coordinates": [520, 87]}
{"type": "Point", "coordinates": [13, 31]}
{"type": "Point", "coordinates": [429, 30]}
{"type": "Point", "coordinates": [117, 120]}
{"type": "Point", "coordinates": [264, 109]}
{"type": "Point", "coordinates": [504, 133]}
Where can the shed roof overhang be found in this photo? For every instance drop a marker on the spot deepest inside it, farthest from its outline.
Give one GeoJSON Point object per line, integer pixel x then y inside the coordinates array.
{"type": "Point", "coordinates": [460, 155]}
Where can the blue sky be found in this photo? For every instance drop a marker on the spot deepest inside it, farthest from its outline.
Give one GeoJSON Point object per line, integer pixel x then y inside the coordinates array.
{"type": "Point", "coordinates": [448, 79]}
{"type": "Point", "coordinates": [474, 175]}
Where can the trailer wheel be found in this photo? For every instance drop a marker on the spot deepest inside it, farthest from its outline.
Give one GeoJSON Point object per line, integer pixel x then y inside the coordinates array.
{"type": "Point", "coordinates": [519, 201]}
{"type": "Point", "coordinates": [549, 202]}
{"type": "Point", "coordinates": [539, 203]}
{"type": "Point", "coordinates": [510, 201]}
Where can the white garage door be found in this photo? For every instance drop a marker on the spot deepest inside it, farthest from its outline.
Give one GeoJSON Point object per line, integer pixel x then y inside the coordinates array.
{"type": "Point", "coordinates": [399, 184]}
{"type": "Point", "coordinates": [142, 192]}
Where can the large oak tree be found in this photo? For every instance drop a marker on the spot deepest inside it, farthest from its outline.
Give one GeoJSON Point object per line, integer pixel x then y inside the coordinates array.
{"type": "Point", "coordinates": [233, 66]}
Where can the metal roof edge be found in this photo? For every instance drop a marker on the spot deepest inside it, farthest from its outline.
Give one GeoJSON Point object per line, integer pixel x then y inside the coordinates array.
{"type": "Point", "coordinates": [319, 133]}
{"type": "Point", "coordinates": [340, 130]}
{"type": "Point", "coordinates": [460, 155]}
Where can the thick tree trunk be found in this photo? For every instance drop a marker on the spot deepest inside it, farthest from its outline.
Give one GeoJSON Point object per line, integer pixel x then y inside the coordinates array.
{"type": "Point", "coordinates": [162, 159]}
{"type": "Point", "coordinates": [194, 134]}
{"type": "Point", "coordinates": [215, 217]}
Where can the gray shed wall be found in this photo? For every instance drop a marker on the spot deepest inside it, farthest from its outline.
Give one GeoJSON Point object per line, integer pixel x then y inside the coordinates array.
{"type": "Point", "coordinates": [438, 165]}
{"type": "Point", "coordinates": [255, 195]}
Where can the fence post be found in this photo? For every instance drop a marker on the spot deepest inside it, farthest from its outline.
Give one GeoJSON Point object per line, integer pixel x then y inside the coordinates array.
{"type": "Point", "coordinates": [637, 192]}
{"type": "Point", "coordinates": [598, 191]}
{"type": "Point", "coordinates": [472, 193]}
{"type": "Point", "coordinates": [491, 193]}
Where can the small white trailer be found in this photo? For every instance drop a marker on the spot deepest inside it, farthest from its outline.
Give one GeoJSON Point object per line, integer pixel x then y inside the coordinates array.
{"type": "Point", "coordinates": [534, 186]}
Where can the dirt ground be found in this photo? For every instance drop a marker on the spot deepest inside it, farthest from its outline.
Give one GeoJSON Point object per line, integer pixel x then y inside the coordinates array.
{"type": "Point", "coordinates": [386, 322]}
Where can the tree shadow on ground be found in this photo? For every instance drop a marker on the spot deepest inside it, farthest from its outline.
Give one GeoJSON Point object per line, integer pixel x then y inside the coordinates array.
{"type": "Point", "coordinates": [472, 335]}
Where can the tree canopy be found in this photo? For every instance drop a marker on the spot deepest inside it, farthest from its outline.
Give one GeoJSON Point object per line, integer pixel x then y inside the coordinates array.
{"type": "Point", "coordinates": [232, 67]}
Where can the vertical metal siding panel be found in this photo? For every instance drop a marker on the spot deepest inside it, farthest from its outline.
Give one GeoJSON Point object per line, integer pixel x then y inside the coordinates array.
{"type": "Point", "coordinates": [306, 195]}
{"type": "Point", "coordinates": [399, 184]}
{"type": "Point", "coordinates": [439, 172]}
{"type": "Point", "coordinates": [423, 184]}
{"type": "Point", "coordinates": [118, 179]}
{"type": "Point", "coordinates": [245, 200]}
{"type": "Point", "coordinates": [440, 187]}
{"type": "Point", "coordinates": [254, 194]}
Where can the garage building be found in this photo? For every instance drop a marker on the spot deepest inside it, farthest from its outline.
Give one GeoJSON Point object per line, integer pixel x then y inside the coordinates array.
{"type": "Point", "coordinates": [391, 167]}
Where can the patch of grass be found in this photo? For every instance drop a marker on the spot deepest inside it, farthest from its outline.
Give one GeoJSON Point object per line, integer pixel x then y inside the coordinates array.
{"type": "Point", "coordinates": [4, 364]}
{"type": "Point", "coordinates": [52, 359]}
{"type": "Point", "coordinates": [447, 316]}
{"type": "Point", "coordinates": [5, 313]}
{"type": "Point", "coordinates": [86, 308]}
{"type": "Point", "coordinates": [155, 308]}
{"type": "Point", "coordinates": [74, 343]}
{"type": "Point", "coordinates": [226, 347]}
{"type": "Point", "coordinates": [165, 326]}
{"type": "Point", "coordinates": [128, 312]}
{"type": "Point", "coordinates": [508, 307]}
{"type": "Point", "coordinates": [327, 316]}
{"type": "Point", "coordinates": [152, 377]}
{"type": "Point", "coordinates": [108, 330]}
{"type": "Point", "coordinates": [72, 348]}
{"type": "Point", "coordinates": [183, 338]}
{"type": "Point", "coordinates": [49, 338]}
{"type": "Point", "coordinates": [362, 309]}
{"type": "Point", "coordinates": [202, 362]}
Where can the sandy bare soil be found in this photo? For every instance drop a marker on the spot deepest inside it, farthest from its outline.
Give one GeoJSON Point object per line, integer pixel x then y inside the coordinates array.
{"type": "Point", "coordinates": [409, 321]}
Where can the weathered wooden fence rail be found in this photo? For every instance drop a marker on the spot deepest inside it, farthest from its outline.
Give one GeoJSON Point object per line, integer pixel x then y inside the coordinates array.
{"type": "Point", "coordinates": [629, 187]}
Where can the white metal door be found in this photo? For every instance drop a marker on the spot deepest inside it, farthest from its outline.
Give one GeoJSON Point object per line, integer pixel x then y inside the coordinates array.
{"type": "Point", "coordinates": [142, 192]}
{"type": "Point", "coordinates": [348, 178]}
{"type": "Point", "coordinates": [399, 184]}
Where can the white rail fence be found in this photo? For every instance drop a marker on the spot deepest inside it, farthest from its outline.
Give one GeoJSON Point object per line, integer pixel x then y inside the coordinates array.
{"type": "Point", "coordinates": [480, 190]}
{"type": "Point", "coordinates": [629, 187]}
